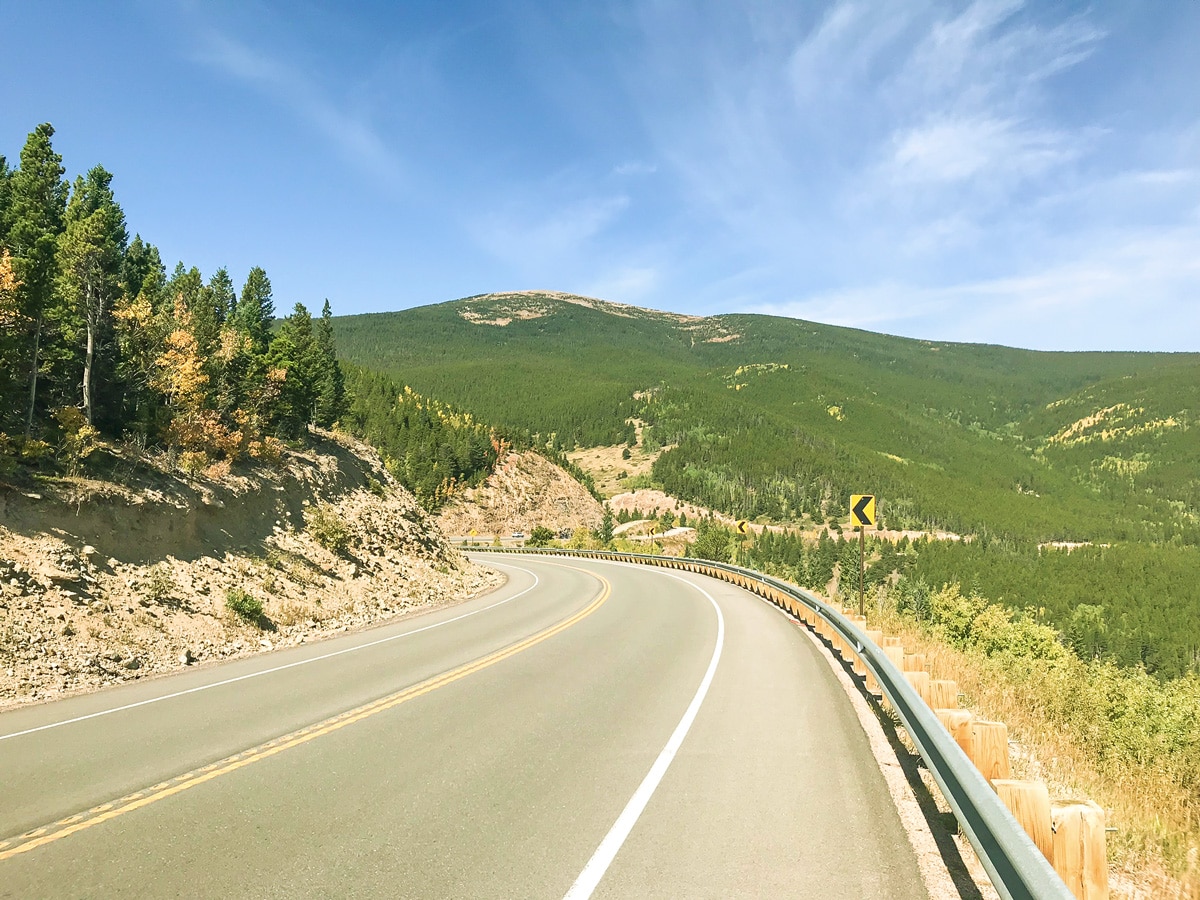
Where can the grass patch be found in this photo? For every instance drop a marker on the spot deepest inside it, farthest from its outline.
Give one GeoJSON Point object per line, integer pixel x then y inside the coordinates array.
{"type": "Point", "coordinates": [244, 605]}
{"type": "Point", "coordinates": [326, 527]}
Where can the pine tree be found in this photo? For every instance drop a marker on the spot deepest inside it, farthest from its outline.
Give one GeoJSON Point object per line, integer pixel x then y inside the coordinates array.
{"type": "Point", "coordinates": [330, 387]}
{"type": "Point", "coordinates": [255, 310]}
{"type": "Point", "coordinates": [142, 272]}
{"type": "Point", "coordinates": [90, 252]}
{"type": "Point", "coordinates": [294, 352]}
{"type": "Point", "coordinates": [11, 328]}
{"type": "Point", "coordinates": [142, 324]}
{"type": "Point", "coordinates": [5, 200]}
{"type": "Point", "coordinates": [222, 295]}
{"type": "Point", "coordinates": [39, 201]}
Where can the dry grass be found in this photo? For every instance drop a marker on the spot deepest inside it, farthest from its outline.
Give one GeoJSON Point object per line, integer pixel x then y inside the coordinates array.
{"type": "Point", "coordinates": [605, 465]}
{"type": "Point", "coordinates": [1150, 812]}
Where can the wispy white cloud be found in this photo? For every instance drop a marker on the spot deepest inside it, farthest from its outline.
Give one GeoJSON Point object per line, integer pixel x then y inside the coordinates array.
{"type": "Point", "coordinates": [1114, 299]}
{"type": "Point", "coordinates": [634, 167]}
{"type": "Point", "coordinates": [534, 234]}
{"type": "Point", "coordinates": [352, 136]}
{"type": "Point", "coordinates": [951, 150]}
{"type": "Point", "coordinates": [628, 284]}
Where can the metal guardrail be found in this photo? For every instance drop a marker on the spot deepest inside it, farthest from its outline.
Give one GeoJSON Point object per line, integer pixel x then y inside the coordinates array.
{"type": "Point", "coordinates": [1016, 866]}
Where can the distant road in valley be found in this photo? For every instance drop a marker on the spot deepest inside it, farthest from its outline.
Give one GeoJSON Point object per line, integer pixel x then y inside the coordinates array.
{"type": "Point", "coordinates": [591, 729]}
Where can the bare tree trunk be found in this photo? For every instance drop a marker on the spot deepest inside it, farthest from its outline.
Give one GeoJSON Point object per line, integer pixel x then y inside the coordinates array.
{"type": "Point", "coordinates": [93, 317]}
{"type": "Point", "coordinates": [33, 375]}
{"type": "Point", "coordinates": [87, 371]}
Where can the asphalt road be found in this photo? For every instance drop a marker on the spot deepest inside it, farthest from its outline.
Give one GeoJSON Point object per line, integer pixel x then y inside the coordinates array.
{"type": "Point", "coordinates": [591, 729]}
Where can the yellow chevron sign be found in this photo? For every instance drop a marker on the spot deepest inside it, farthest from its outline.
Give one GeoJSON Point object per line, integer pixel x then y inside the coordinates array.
{"type": "Point", "coordinates": [862, 510]}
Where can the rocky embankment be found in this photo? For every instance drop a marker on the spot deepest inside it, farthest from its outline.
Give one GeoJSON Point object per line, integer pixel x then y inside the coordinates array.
{"type": "Point", "coordinates": [525, 491]}
{"type": "Point", "coordinates": [107, 581]}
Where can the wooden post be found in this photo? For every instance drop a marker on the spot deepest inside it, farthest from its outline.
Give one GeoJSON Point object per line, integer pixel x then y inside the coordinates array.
{"type": "Point", "coordinates": [959, 723]}
{"type": "Point", "coordinates": [920, 683]}
{"type": "Point", "coordinates": [1080, 854]}
{"type": "Point", "coordinates": [862, 569]}
{"type": "Point", "coordinates": [943, 694]}
{"type": "Point", "coordinates": [896, 655]}
{"type": "Point", "coordinates": [1029, 802]}
{"type": "Point", "coordinates": [875, 637]}
{"type": "Point", "coordinates": [989, 748]}
{"type": "Point", "coordinates": [892, 642]}
{"type": "Point", "coordinates": [914, 662]}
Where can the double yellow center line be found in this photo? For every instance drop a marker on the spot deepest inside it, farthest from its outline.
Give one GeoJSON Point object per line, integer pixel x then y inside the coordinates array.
{"type": "Point", "coordinates": [97, 815]}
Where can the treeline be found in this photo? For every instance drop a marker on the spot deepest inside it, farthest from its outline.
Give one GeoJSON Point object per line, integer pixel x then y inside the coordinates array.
{"type": "Point", "coordinates": [432, 449]}
{"type": "Point", "coordinates": [96, 338]}
{"type": "Point", "coordinates": [1133, 605]}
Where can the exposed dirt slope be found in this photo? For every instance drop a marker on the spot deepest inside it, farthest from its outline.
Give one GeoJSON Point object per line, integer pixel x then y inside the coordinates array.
{"type": "Point", "coordinates": [525, 490]}
{"type": "Point", "coordinates": [103, 582]}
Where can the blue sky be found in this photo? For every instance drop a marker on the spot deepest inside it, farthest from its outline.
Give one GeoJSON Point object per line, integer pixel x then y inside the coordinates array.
{"type": "Point", "coordinates": [1025, 174]}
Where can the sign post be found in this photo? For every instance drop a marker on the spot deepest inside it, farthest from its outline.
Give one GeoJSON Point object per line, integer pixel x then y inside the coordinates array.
{"type": "Point", "coordinates": [862, 515]}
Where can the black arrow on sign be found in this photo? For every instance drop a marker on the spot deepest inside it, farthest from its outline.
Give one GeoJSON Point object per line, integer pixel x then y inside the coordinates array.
{"type": "Point", "coordinates": [860, 508]}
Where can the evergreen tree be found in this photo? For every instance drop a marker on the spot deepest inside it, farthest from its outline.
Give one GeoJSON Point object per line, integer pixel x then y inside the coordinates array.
{"type": "Point", "coordinates": [222, 295]}
{"type": "Point", "coordinates": [142, 324]}
{"type": "Point", "coordinates": [38, 203]}
{"type": "Point", "coordinates": [255, 310]}
{"type": "Point", "coordinates": [605, 534]}
{"type": "Point", "coordinates": [330, 388]}
{"type": "Point", "coordinates": [5, 200]}
{"type": "Point", "coordinates": [142, 272]}
{"type": "Point", "coordinates": [294, 352]}
{"type": "Point", "coordinates": [90, 251]}
{"type": "Point", "coordinates": [11, 322]}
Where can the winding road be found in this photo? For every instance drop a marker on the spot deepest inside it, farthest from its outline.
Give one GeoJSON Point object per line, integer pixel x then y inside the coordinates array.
{"type": "Point", "coordinates": [591, 729]}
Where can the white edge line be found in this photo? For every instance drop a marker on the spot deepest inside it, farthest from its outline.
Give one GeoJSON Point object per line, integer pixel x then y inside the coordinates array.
{"type": "Point", "coordinates": [302, 662]}
{"type": "Point", "coordinates": [593, 872]}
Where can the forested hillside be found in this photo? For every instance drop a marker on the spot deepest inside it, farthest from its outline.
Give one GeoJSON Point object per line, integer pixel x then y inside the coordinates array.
{"type": "Point", "coordinates": [96, 340]}
{"type": "Point", "coordinates": [783, 419]}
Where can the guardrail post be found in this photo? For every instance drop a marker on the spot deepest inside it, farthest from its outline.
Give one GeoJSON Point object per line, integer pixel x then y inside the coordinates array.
{"type": "Point", "coordinates": [896, 655]}
{"type": "Point", "coordinates": [943, 694]}
{"type": "Point", "coordinates": [989, 749]}
{"type": "Point", "coordinates": [1080, 854]}
{"type": "Point", "coordinates": [875, 636]}
{"type": "Point", "coordinates": [920, 684]}
{"type": "Point", "coordinates": [959, 722]}
{"type": "Point", "coordinates": [1029, 802]}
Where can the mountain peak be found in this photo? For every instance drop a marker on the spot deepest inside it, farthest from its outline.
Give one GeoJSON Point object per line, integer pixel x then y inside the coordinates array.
{"type": "Point", "coordinates": [501, 309]}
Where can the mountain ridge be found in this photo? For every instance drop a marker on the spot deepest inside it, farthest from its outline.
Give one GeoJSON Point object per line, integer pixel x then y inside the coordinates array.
{"type": "Point", "coordinates": [959, 435]}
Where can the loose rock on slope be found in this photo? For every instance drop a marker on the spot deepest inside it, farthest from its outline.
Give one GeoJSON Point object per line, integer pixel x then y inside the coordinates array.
{"type": "Point", "coordinates": [103, 582]}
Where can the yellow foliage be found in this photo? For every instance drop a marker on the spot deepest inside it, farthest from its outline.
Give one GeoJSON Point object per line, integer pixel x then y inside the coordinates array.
{"type": "Point", "coordinates": [79, 438]}
{"type": "Point", "coordinates": [179, 370]}
{"type": "Point", "coordinates": [233, 344]}
{"type": "Point", "coordinates": [10, 312]}
{"type": "Point", "coordinates": [193, 461]}
{"type": "Point", "coordinates": [269, 450]}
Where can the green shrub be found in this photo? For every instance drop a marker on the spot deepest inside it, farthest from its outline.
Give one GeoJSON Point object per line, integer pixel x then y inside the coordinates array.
{"type": "Point", "coordinates": [541, 536]}
{"type": "Point", "coordinates": [244, 605]}
{"type": "Point", "coordinates": [160, 586]}
{"type": "Point", "coordinates": [326, 527]}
